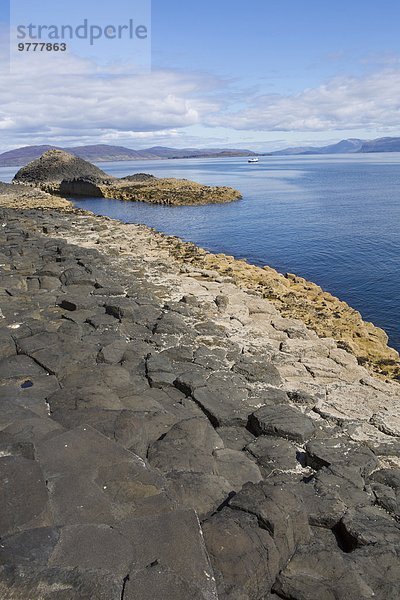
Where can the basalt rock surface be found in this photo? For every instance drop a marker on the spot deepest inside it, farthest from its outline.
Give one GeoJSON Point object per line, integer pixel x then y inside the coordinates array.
{"type": "Point", "coordinates": [146, 189]}
{"type": "Point", "coordinates": [56, 165]}
{"type": "Point", "coordinates": [25, 197]}
{"type": "Point", "coordinates": [162, 437]}
{"type": "Point", "coordinates": [58, 172]}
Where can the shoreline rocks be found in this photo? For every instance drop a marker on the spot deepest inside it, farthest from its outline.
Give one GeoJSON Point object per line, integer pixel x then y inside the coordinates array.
{"type": "Point", "coordinates": [162, 437]}
{"type": "Point", "coordinates": [296, 298]}
{"type": "Point", "coordinates": [20, 196]}
{"type": "Point", "coordinates": [292, 296]}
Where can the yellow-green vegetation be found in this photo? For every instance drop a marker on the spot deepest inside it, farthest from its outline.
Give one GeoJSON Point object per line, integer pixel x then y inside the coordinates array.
{"type": "Point", "coordinates": [174, 192]}
{"type": "Point", "coordinates": [171, 191]}
{"type": "Point", "coordinates": [298, 298]}
{"type": "Point", "coordinates": [24, 197]}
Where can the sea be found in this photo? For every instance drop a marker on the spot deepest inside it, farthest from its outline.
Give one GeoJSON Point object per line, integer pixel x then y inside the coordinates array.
{"type": "Point", "coordinates": [333, 219]}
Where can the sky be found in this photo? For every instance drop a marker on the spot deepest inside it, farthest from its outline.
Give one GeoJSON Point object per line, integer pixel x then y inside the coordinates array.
{"type": "Point", "coordinates": [225, 73]}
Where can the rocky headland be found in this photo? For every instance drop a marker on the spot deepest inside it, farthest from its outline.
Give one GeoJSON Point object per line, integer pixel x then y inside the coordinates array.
{"type": "Point", "coordinates": [167, 433]}
{"type": "Point", "coordinates": [61, 173]}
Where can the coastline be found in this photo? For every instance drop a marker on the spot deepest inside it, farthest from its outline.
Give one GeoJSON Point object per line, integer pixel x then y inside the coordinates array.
{"type": "Point", "coordinates": [294, 296]}
{"type": "Point", "coordinates": [146, 399]}
{"type": "Point", "coordinates": [298, 298]}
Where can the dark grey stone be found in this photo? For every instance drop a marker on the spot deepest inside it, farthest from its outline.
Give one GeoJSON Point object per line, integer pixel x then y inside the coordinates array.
{"type": "Point", "coordinates": [77, 301]}
{"type": "Point", "coordinates": [369, 525]}
{"type": "Point", "coordinates": [39, 341]}
{"type": "Point", "coordinates": [202, 492]}
{"type": "Point", "coordinates": [244, 556]}
{"type": "Point", "coordinates": [7, 344]}
{"type": "Point", "coordinates": [236, 467]}
{"type": "Point", "coordinates": [302, 397]}
{"type": "Point", "coordinates": [340, 452]}
{"type": "Point", "coordinates": [53, 583]}
{"type": "Point", "coordinates": [385, 484]}
{"type": "Point", "coordinates": [273, 454]}
{"type": "Point", "coordinates": [187, 446]}
{"type": "Point", "coordinates": [283, 421]}
{"type": "Point", "coordinates": [127, 308]}
{"type": "Point", "coordinates": [235, 438]}
{"type": "Point", "coordinates": [323, 502]}
{"type": "Point", "coordinates": [92, 546]}
{"type": "Point", "coordinates": [76, 398]}
{"type": "Point", "coordinates": [23, 494]}
{"type": "Point", "coordinates": [258, 369]}
{"type": "Point", "coordinates": [19, 366]}
{"type": "Point", "coordinates": [112, 290]}
{"type": "Point", "coordinates": [78, 276]}
{"type": "Point", "coordinates": [345, 484]}
{"type": "Point", "coordinates": [192, 377]}
{"type": "Point", "coordinates": [280, 512]}
{"type": "Point", "coordinates": [156, 582]}
{"type": "Point", "coordinates": [387, 498]}
{"type": "Point", "coordinates": [50, 284]}
{"type": "Point", "coordinates": [16, 448]}
{"type": "Point", "coordinates": [81, 449]}
{"type": "Point", "coordinates": [26, 427]}
{"type": "Point", "coordinates": [389, 477]}
{"type": "Point", "coordinates": [34, 546]}
{"type": "Point", "coordinates": [171, 323]}
{"type": "Point", "coordinates": [379, 567]}
{"type": "Point", "coordinates": [272, 395]}
{"type": "Point", "coordinates": [65, 357]}
{"type": "Point", "coordinates": [175, 541]}
{"type": "Point", "coordinates": [317, 570]}
{"type": "Point", "coordinates": [224, 406]}
{"type": "Point", "coordinates": [114, 377]}
{"type": "Point", "coordinates": [114, 352]}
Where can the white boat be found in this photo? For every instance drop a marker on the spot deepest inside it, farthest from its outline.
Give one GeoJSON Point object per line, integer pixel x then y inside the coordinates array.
{"type": "Point", "coordinates": [252, 160]}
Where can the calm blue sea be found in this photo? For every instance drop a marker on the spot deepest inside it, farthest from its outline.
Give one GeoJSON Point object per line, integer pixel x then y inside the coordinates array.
{"type": "Point", "coordinates": [334, 220]}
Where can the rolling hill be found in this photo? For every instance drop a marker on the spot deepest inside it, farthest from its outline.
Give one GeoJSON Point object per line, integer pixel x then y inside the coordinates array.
{"type": "Point", "coordinates": [104, 153]}
{"type": "Point", "coordinates": [349, 146]}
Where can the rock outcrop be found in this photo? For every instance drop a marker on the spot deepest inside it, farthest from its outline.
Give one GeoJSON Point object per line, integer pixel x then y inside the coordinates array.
{"type": "Point", "coordinates": [58, 172]}
{"type": "Point", "coordinates": [25, 197]}
{"type": "Point", "coordinates": [54, 166]}
{"type": "Point", "coordinates": [164, 434]}
{"type": "Point", "coordinates": [297, 298]}
{"type": "Point", "coordinates": [148, 189]}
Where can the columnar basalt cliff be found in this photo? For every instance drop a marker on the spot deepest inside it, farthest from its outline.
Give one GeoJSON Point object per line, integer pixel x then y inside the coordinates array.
{"type": "Point", "coordinates": [56, 165]}
{"type": "Point", "coordinates": [58, 172]}
{"type": "Point", "coordinates": [167, 434]}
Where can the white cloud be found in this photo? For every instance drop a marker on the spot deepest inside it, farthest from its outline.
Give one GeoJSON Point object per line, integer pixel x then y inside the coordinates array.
{"type": "Point", "coordinates": [40, 102]}
{"type": "Point", "coordinates": [344, 103]}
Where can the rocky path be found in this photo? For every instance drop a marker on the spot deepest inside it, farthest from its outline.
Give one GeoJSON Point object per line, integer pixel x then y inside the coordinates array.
{"type": "Point", "coordinates": [165, 434]}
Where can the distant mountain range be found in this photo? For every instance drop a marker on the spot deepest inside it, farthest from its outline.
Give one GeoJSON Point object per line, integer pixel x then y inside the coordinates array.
{"type": "Point", "coordinates": [350, 146]}
{"type": "Point", "coordinates": [104, 153]}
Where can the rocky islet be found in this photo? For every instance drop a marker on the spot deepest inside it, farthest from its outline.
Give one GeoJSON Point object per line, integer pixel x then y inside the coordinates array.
{"type": "Point", "coordinates": [62, 173]}
{"type": "Point", "coordinates": [165, 433]}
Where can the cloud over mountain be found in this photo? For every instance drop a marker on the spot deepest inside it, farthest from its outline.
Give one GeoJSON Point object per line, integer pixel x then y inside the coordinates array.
{"type": "Point", "coordinates": [343, 103]}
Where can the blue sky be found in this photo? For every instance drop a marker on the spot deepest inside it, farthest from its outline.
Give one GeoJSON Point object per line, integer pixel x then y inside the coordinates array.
{"type": "Point", "coordinates": [262, 75]}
